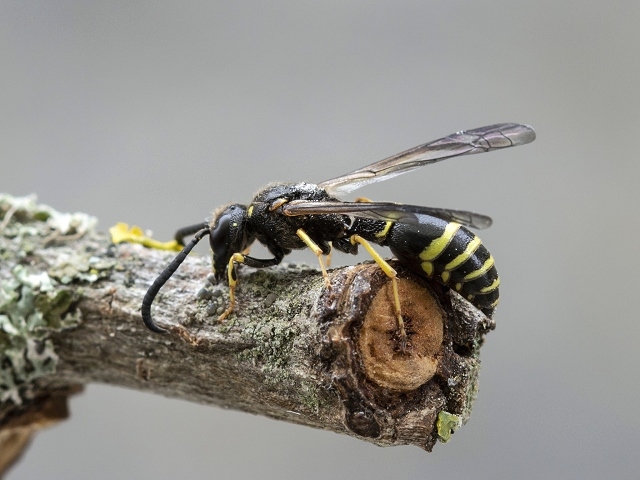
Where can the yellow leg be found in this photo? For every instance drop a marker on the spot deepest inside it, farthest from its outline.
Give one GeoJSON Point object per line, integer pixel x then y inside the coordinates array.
{"type": "Point", "coordinates": [318, 251]}
{"type": "Point", "coordinates": [392, 274]}
{"type": "Point", "coordinates": [233, 281]}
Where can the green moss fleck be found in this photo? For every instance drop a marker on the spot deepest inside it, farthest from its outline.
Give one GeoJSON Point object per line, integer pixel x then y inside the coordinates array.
{"type": "Point", "coordinates": [446, 424]}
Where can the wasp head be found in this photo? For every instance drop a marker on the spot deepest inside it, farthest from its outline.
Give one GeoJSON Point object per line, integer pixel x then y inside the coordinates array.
{"type": "Point", "coordinates": [229, 234]}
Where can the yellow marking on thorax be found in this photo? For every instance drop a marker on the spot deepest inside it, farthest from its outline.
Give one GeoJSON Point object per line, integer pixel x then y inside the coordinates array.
{"type": "Point", "coordinates": [481, 271]}
{"type": "Point", "coordinates": [465, 255]}
{"type": "Point", "coordinates": [383, 233]}
{"type": "Point", "coordinates": [437, 246]}
{"type": "Point", "coordinates": [250, 211]}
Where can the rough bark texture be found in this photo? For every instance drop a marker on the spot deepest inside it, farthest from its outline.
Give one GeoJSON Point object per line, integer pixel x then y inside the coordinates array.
{"type": "Point", "coordinates": [292, 349]}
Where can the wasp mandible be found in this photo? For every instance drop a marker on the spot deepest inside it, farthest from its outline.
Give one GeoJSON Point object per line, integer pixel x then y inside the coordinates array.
{"type": "Point", "coordinates": [433, 242]}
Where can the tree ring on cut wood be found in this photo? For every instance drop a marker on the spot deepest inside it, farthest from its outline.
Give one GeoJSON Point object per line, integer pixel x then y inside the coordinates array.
{"type": "Point", "coordinates": [384, 359]}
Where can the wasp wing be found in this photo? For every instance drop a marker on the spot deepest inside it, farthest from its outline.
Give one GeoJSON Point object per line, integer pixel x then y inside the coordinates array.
{"type": "Point", "coordinates": [386, 211]}
{"type": "Point", "coordinates": [484, 139]}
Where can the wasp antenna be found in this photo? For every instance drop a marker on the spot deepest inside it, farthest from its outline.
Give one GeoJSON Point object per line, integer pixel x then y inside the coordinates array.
{"type": "Point", "coordinates": [190, 230]}
{"type": "Point", "coordinates": [162, 279]}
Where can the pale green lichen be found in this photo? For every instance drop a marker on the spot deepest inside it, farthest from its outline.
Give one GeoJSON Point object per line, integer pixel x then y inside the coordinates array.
{"type": "Point", "coordinates": [446, 424]}
{"type": "Point", "coordinates": [26, 210]}
{"type": "Point", "coordinates": [85, 268]}
{"type": "Point", "coordinates": [33, 305]}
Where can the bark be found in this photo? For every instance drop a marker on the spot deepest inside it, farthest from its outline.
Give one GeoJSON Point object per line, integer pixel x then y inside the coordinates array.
{"type": "Point", "coordinates": [292, 350]}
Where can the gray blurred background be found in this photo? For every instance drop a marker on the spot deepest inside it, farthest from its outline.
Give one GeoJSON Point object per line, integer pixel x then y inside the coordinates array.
{"type": "Point", "coordinates": [154, 113]}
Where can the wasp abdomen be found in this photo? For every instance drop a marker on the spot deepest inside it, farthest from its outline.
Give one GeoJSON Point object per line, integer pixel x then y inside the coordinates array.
{"type": "Point", "coordinates": [450, 254]}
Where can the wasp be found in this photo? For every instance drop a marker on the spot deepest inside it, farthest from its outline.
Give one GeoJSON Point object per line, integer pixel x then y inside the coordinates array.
{"type": "Point", "coordinates": [434, 242]}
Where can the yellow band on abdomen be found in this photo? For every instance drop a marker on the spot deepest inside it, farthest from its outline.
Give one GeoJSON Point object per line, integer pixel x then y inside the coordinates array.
{"type": "Point", "coordinates": [437, 246]}
{"type": "Point", "coordinates": [465, 255]}
{"type": "Point", "coordinates": [481, 271]}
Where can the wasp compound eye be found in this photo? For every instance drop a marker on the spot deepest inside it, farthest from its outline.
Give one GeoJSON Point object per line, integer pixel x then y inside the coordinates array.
{"type": "Point", "coordinates": [220, 239]}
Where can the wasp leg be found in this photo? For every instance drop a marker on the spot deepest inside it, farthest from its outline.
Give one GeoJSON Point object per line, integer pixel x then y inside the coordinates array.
{"type": "Point", "coordinates": [233, 281]}
{"type": "Point", "coordinates": [233, 278]}
{"type": "Point", "coordinates": [315, 248]}
{"type": "Point", "coordinates": [392, 274]}
{"type": "Point", "coordinates": [328, 259]}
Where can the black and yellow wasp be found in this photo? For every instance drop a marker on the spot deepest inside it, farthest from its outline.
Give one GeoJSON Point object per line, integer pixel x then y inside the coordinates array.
{"type": "Point", "coordinates": [431, 241]}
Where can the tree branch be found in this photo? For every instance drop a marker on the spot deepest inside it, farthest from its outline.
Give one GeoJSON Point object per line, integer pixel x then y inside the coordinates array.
{"type": "Point", "coordinates": [292, 350]}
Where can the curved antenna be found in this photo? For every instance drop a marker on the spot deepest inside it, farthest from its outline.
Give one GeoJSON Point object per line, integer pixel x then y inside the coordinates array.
{"type": "Point", "coordinates": [162, 279]}
{"type": "Point", "coordinates": [190, 230]}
